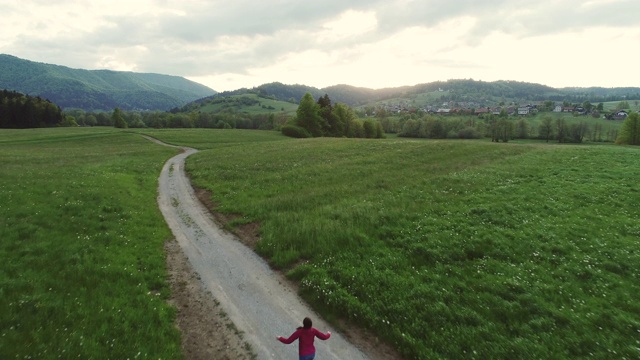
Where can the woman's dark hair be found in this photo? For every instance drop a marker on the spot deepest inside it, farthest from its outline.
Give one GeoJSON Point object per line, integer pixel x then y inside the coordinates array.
{"type": "Point", "coordinates": [306, 323]}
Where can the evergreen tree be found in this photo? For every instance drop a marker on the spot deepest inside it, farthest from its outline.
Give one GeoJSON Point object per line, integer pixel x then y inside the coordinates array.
{"type": "Point", "coordinates": [332, 127]}
{"type": "Point", "coordinates": [18, 111]}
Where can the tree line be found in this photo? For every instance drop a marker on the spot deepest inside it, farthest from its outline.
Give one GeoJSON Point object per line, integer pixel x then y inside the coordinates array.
{"type": "Point", "coordinates": [162, 119]}
{"type": "Point", "coordinates": [312, 119]}
{"type": "Point", "coordinates": [499, 128]}
{"type": "Point", "coordinates": [19, 111]}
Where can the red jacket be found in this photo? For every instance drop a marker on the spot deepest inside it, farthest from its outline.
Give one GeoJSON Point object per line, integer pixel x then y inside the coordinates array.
{"type": "Point", "coordinates": [306, 337]}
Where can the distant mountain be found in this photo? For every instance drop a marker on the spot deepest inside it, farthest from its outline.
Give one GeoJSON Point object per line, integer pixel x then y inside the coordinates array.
{"type": "Point", "coordinates": [98, 89]}
{"type": "Point", "coordinates": [434, 94]}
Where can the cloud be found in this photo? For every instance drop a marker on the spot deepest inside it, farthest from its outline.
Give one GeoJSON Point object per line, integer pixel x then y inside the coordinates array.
{"type": "Point", "coordinates": [246, 42]}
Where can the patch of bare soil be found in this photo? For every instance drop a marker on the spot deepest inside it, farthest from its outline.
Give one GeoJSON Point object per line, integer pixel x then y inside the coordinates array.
{"type": "Point", "coordinates": [206, 331]}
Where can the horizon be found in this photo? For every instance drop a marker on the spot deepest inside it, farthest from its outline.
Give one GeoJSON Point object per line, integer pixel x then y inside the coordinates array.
{"type": "Point", "coordinates": [370, 44]}
{"type": "Point", "coordinates": [343, 84]}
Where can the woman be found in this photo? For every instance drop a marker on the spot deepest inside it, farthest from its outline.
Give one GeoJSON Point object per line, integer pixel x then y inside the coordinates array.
{"type": "Point", "coordinates": [305, 335]}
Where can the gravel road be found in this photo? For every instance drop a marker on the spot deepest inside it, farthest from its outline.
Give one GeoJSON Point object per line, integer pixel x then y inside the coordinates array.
{"type": "Point", "coordinates": [256, 299]}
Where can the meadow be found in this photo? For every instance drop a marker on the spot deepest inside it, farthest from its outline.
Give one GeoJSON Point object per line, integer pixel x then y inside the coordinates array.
{"type": "Point", "coordinates": [250, 104]}
{"type": "Point", "coordinates": [449, 248]}
{"type": "Point", "coordinates": [443, 248]}
{"type": "Point", "coordinates": [613, 105]}
{"type": "Point", "coordinates": [81, 240]}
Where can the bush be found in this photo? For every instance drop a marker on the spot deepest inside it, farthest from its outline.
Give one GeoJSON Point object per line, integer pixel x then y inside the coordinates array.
{"type": "Point", "coordinates": [295, 131]}
{"type": "Point", "coordinates": [469, 133]}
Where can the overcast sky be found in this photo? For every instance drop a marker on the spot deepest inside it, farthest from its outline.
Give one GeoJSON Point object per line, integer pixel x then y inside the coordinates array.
{"type": "Point", "coordinates": [232, 44]}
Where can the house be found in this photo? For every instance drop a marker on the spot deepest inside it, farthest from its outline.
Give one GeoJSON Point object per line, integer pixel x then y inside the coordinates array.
{"type": "Point", "coordinates": [568, 109]}
{"type": "Point", "coordinates": [620, 115]}
{"type": "Point", "coordinates": [558, 108]}
{"type": "Point", "coordinates": [523, 110]}
{"type": "Point", "coordinates": [480, 111]}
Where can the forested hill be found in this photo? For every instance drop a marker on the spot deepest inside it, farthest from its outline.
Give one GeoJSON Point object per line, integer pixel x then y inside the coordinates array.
{"type": "Point", "coordinates": [435, 93]}
{"type": "Point", "coordinates": [98, 89]}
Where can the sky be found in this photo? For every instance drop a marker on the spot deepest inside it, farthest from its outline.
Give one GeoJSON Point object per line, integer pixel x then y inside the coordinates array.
{"type": "Point", "coordinates": [231, 44]}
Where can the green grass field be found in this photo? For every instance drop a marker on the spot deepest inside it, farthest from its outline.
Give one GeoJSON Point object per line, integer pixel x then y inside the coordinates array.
{"type": "Point", "coordinates": [613, 105]}
{"type": "Point", "coordinates": [606, 130]}
{"type": "Point", "coordinates": [81, 241]}
{"type": "Point", "coordinates": [449, 249]}
{"type": "Point", "coordinates": [446, 249]}
{"type": "Point", "coordinates": [206, 139]}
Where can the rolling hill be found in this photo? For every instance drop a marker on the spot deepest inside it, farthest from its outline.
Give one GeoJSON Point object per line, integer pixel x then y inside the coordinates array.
{"type": "Point", "coordinates": [434, 94]}
{"type": "Point", "coordinates": [98, 89]}
{"type": "Point", "coordinates": [106, 89]}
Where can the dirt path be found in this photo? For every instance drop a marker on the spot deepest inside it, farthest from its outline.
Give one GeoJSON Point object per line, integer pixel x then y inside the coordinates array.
{"type": "Point", "coordinates": [250, 303]}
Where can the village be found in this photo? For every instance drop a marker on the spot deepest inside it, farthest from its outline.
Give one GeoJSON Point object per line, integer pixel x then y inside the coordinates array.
{"type": "Point", "coordinates": [475, 108]}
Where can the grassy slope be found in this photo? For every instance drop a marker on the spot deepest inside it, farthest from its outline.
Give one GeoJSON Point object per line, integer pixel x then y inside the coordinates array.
{"type": "Point", "coordinates": [449, 248]}
{"type": "Point", "coordinates": [613, 105]}
{"type": "Point", "coordinates": [277, 106]}
{"type": "Point", "coordinates": [83, 271]}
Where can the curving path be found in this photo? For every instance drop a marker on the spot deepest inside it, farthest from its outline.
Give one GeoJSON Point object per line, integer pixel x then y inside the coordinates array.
{"type": "Point", "coordinates": [254, 297]}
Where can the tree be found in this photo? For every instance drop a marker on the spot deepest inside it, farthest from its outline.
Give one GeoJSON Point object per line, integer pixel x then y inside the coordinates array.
{"type": "Point", "coordinates": [622, 105]}
{"type": "Point", "coordinates": [630, 131]}
{"type": "Point", "coordinates": [90, 120]}
{"type": "Point", "coordinates": [577, 131]}
{"type": "Point", "coordinates": [596, 134]}
{"type": "Point", "coordinates": [505, 128]}
{"type": "Point", "coordinates": [561, 127]}
{"type": "Point", "coordinates": [545, 129]}
{"type": "Point", "coordinates": [500, 128]}
{"type": "Point", "coordinates": [369, 129]}
{"type": "Point", "coordinates": [344, 119]}
{"type": "Point", "coordinates": [379, 131]}
{"type": "Point", "coordinates": [117, 119]}
{"type": "Point", "coordinates": [330, 123]}
{"type": "Point", "coordinates": [69, 121]}
{"type": "Point", "coordinates": [522, 129]}
{"type": "Point", "coordinates": [308, 116]}
{"type": "Point", "coordinates": [600, 107]}
{"type": "Point", "coordinates": [20, 111]}
{"type": "Point", "coordinates": [103, 119]}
